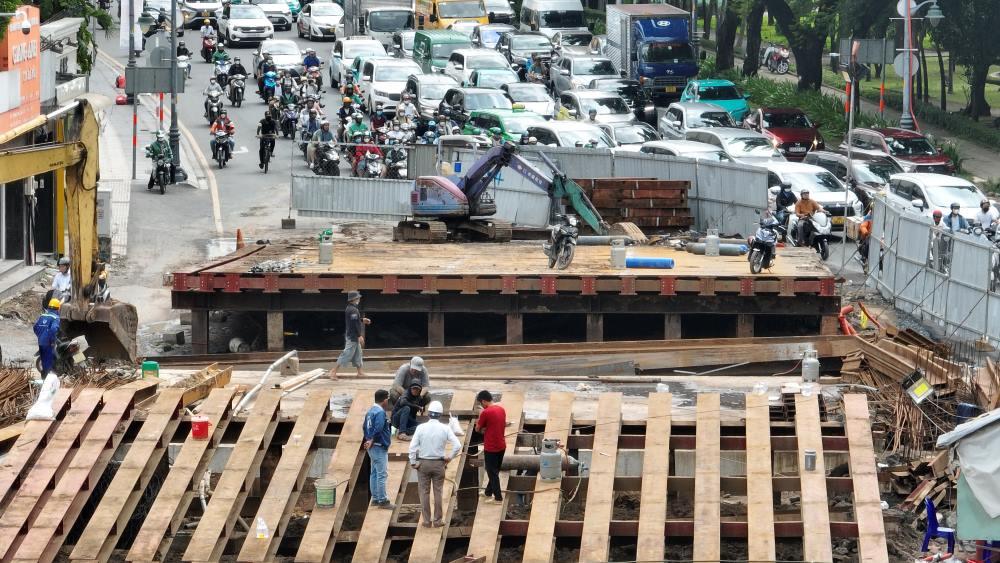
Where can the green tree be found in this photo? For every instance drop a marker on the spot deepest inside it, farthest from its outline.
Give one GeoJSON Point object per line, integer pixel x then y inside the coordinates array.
{"type": "Point", "coordinates": [968, 32]}
{"type": "Point", "coordinates": [53, 9]}
{"type": "Point", "coordinates": [806, 24]}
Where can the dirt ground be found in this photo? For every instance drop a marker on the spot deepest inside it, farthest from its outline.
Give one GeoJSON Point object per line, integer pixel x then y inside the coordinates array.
{"type": "Point", "coordinates": [626, 506]}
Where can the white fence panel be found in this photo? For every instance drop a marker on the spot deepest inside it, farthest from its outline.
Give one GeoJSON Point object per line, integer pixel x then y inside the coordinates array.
{"type": "Point", "coordinates": [351, 198]}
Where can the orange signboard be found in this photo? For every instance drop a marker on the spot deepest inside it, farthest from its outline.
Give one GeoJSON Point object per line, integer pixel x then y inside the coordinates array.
{"type": "Point", "coordinates": [20, 53]}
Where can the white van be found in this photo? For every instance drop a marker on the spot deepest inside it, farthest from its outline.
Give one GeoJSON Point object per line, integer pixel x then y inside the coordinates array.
{"type": "Point", "coordinates": [550, 16]}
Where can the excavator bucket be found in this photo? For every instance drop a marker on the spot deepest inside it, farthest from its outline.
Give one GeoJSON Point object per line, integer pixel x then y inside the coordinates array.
{"type": "Point", "coordinates": [110, 328]}
{"type": "Point", "coordinates": [630, 230]}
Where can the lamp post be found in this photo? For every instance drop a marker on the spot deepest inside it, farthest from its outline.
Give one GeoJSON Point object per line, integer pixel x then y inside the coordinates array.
{"type": "Point", "coordinates": [144, 22]}
{"type": "Point", "coordinates": [174, 136]}
{"type": "Point", "coordinates": [906, 8]}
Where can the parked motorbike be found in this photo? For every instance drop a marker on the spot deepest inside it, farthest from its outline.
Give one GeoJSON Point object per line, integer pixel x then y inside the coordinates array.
{"type": "Point", "coordinates": [817, 233]}
{"type": "Point", "coordinates": [775, 58]}
{"type": "Point", "coordinates": [371, 166]}
{"type": "Point", "coordinates": [184, 63]}
{"type": "Point", "coordinates": [207, 48]}
{"type": "Point", "coordinates": [289, 120]}
{"type": "Point", "coordinates": [762, 245]}
{"type": "Point", "coordinates": [222, 154]}
{"type": "Point", "coordinates": [327, 161]}
{"type": "Point", "coordinates": [562, 242]}
{"type": "Point", "coordinates": [162, 174]}
{"type": "Point", "coordinates": [69, 356]}
{"type": "Point", "coordinates": [395, 161]}
{"type": "Point", "coordinates": [214, 107]}
{"type": "Point", "coordinates": [237, 86]}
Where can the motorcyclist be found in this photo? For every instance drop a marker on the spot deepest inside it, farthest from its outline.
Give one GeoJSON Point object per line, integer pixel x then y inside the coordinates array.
{"type": "Point", "coordinates": [356, 126]}
{"type": "Point", "coordinates": [310, 59]}
{"type": "Point", "coordinates": [364, 147]}
{"type": "Point", "coordinates": [47, 330]}
{"type": "Point", "coordinates": [269, 82]}
{"type": "Point", "coordinates": [159, 148]}
{"type": "Point", "coordinates": [237, 68]}
{"type": "Point", "coordinates": [407, 110]}
{"type": "Point", "coordinates": [207, 30]}
{"type": "Point", "coordinates": [267, 130]}
{"type": "Point", "coordinates": [265, 65]}
{"type": "Point", "coordinates": [274, 108]}
{"type": "Point", "coordinates": [309, 88]}
{"type": "Point", "coordinates": [222, 123]}
{"type": "Point", "coordinates": [785, 199]}
{"type": "Point", "coordinates": [347, 110]}
{"type": "Point", "coordinates": [321, 135]}
{"type": "Point", "coordinates": [213, 89]}
{"type": "Point", "coordinates": [378, 119]}
{"type": "Point", "coordinates": [804, 208]}
{"type": "Point", "coordinates": [220, 55]}
{"type": "Point", "coordinates": [954, 220]}
{"type": "Point", "coordinates": [182, 50]}
{"type": "Point", "coordinates": [429, 137]}
{"type": "Point", "coordinates": [988, 215]}
{"type": "Point", "coordinates": [524, 139]}
{"type": "Point", "coordinates": [497, 136]}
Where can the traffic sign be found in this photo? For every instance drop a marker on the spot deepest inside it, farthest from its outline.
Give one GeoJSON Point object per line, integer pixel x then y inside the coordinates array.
{"type": "Point", "coordinates": [899, 64]}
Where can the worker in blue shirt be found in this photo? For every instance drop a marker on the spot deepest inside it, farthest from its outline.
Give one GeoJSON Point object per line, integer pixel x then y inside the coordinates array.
{"type": "Point", "coordinates": [377, 438]}
{"type": "Point", "coordinates": [47, 329]}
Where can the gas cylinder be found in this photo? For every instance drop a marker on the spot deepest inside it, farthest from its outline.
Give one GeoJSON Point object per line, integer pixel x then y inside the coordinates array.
{"type": "Point", "coordinates": [550, 461]}
{"type": "Point", "coordinates": [810, 366]}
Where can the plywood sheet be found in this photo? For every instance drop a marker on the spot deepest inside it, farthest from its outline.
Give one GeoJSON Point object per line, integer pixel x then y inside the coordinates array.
{"type": "Point", "coordinates": [707, 528]}
{"type": "Point", "coordinates": [816, 537]}
{"type": "Point", "coordinates": [760, 500]}
{"type": "Point", "coordinates": [540, 541]}
{"type": "Point", "coordinates": [32, 436]}
{"type": "Point", "coordinates": [655, 472]}
{"type": "Point", "coordinates": [867, 500]}
{"type": "Point", "coordinates": [600, 488]}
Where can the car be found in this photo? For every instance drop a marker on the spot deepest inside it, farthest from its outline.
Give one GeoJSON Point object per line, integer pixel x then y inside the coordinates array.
{"type": "Point", "coordinates": [284, 52]}
{"type": "Point", "coordinates": [636, 97]}
{"type": "Point", "coordinates": [534, 97]}
{"type": "Point", "coordinates": [427, 91]}
{"type": "Point", "coordinates": [519, 47]}
{"type": "Point", "coordinates": [577, 42]}
{"type": "Point", "coordinates": [925, 193]}
{"type": "Point", "coordinates": [383, 80]}
{"type": "Point", "coordinates": [741, 145]}
{"type": "Point", "coordinates": [462, 62]}
{"type": "Point", "coordinates": [629, 136]}
{"type": "Point", "coordinates": [610, 107]}
{"type": "Point", "coordinates": [486, 36]}
{"type": "Point", "coordinates": [459, 103]}
{"type": "Point", "coordinates": [687, 149]}
{"type": "Point", "coordinates": [910, 149]}
{"type": "Point", "coordinates": [511, 122]}
{"type": "Point", "coordinates": [402, 43]}
{"type": "Point", "coordinates": [871, 172]}
{"type": "Point", "coordinates": [320, 20]}
{"type": "Point", "coordinates": [195, 12]}
{"type": "Point", "coordinates": [491, 77]}
{"type": "Point", "coordinates": [244, 23]}
{"type": "Point", "coordinates": [681, 117]}
{"type": "Point", "coordinates": [358, 63]}
{"type": "Point", "coordinates": [823, 187]}
{"type": "Point", "coordinates": [499, 11]}
{"type": "Point", "coordinates": [570, 134]}
{"type": "Point", "coordinates": [719, 92]}
{"type": "Point", "coordinates": [346, 50]}
{"type": "Point", "coordinates": [789, 128]}
{"type": "Point", "coordinates": [277, 12]}
{"type": "Point", "coordinates": [576, 72]}
{"type": "Point", "coordinates": [465, 27]}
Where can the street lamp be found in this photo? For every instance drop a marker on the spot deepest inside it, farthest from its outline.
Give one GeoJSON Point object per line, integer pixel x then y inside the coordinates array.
{"type": "Point", "coordinates": [174, 137]}
{"type": "Point", "coordinates": [906, 8]}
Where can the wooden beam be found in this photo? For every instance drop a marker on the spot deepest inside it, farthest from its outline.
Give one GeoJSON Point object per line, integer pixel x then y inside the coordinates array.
{"type": "Point", "coordinates": [34, 435]}
{"type": "Point", "coordinates": [707, 543]}
{"type": "Point", "coordinates": [540, 541]}
{"type": "Point", "coordinates": [216, 379]}
{"type": "Point", "coordinates": [600, 490]}
{"type": "Point", "coordinates": [872, 546]}
{"type": "Point", "coordinates": [816, 540]}
{"type": "Point", "coordinates": [655, 469]}
{"type": "Point", "coordinates": [760, 499]}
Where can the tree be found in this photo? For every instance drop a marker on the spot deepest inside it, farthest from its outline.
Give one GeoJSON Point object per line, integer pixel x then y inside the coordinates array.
{"type": "Point", "coordinates": [79, 9]}
{"type": "Point", "coordinates": [725, 37]}
{"type": "Point", "coordinates": [968, 32]}
{"type": "Point", "coordinates": [806, 24]}
{"type": "Point", "coordinates": [755, 17]}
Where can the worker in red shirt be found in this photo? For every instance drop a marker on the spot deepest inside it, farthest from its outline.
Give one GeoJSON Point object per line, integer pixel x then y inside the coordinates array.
{"type": "Point", "coordinates": [492, 422]}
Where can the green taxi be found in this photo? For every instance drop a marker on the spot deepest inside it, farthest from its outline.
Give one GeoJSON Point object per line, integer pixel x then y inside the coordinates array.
{"type": "Point", "coordinates": [512, 122]}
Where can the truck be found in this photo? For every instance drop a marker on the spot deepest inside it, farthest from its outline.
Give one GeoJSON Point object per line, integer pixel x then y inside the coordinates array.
{"type": "Point", "coordinates": [378, 19]}
{"type": "Point", "coordinates": [652, 43]}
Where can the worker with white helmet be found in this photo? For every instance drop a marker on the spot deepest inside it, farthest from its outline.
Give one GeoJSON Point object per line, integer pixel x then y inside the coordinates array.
{"type": "Point", "coordinates": [429, 458]}
{"type": "Point", "coordinates": [415, 369]}
{"type": "Point", "coordinates": [62, 282]}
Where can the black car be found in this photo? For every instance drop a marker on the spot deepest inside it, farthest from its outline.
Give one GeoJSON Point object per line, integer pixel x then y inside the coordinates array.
{"type": "Point", "coordinates": [458, 103]}
{"type": "Point", "coordinates": [871, 172]}
{"type": "Point", "coordinates": [636, 98]}
{"type": "Point", "coordinates": [519, 46]}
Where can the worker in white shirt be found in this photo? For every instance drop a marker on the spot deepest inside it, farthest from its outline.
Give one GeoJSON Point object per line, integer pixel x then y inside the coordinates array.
{"type": "Point", "coordinates": [62, 282]}
{"type": "Point", "coordinates": [428, 457]}
{"type": "Point", "coordinates": [988, 215]}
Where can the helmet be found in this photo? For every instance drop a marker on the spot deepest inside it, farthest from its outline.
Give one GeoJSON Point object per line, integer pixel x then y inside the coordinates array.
{"type": "Point", "coordinates": [429, 134]}
{"type": "Point", "coordinates": [937, 213]}
{"type": "Point", "coordinates": [223, 112]}
{"type": "Point", "coordinates": [270, 74]}
{"type": "Point", "coordinates": [324, 123]}
{"type": "Point", "coordinates": [496, 131]}
{"type": "Point", "coordinates": [64, 261]}
{"type": "Point", "coordinates": [955, 205]}
{"type": "Point", "coordinates": [236, 59]}
{"type": "Point", "coordinates": [206, 21]}
{"type": "Point", "coordinates": [456, 129]}
{"type": "Point", "coordinates": [310, 50]}
{"type": "Point", "coordinates": [347, 100]}
{"type": "Point", "coordinates": [160, 135]}
{"type": "Point", "coordinates": [357, 117]}
{"type": "Point", "coordinates": [432, 123]}
{"type": "Point", "coordinates": [984, 201]}
{"type": "Point", "coordinates": [221, 48]}
{"type": "Point", "coordinates": [434, 408]}
{"type": "Point", "coordinates": [181, 44]}
{"type": "Point", "coordinates": [211, 79]}
{"type": "Point", "coordinates": [532, 140]}
{"type": "Point", "coordinates": [54, 303]}
{"type": "Point", "coordinates": [366, 135]}
{"type": "Point", "coordinates": [267, 115]}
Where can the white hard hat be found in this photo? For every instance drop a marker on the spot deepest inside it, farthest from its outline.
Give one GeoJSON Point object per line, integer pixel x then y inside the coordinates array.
{"type": "Point", "coordinates": [417, 363]}
{"type": "Point", "coordinates": [435, 408]}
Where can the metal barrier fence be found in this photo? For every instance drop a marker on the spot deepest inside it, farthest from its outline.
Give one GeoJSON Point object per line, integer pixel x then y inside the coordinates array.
{"type": "Point", "coordinates": [951, 280]}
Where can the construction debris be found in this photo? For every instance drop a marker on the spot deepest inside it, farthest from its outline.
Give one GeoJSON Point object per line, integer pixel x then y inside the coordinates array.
{"type": "Point", "coordinates": [16, 394]}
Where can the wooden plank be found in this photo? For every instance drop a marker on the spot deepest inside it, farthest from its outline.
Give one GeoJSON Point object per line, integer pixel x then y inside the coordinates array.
{"type": "Point", "coordinates": [133, 475]}
{"type": "Point", "coordinates": [230, 492]}
{"type": "Point", "coordinates": [816, 536]}
{"type": "Point", "coordinates": [289, 475]}
{"type": "Point", "coordinates": [52, 461]}
{"type": "Point", "coordinates": [175, 494]}
{"type": "Point", "coordinates": [760, 500]}
{"type": "Point", "coordinates": [428, 543]}
{"type": "Point", "coordinates": [540, 540]}
{"type": "Point", "coordinates": [45, 537]}
{"type": "Point", "coordinates": [372, 539]}
{"type": "Point", "coordinates": [707, 510]}
{"type": "Point", "coordinates": [220, 378]}
{"type": "Point", "coordinates": [33, 436]}
{"type": "Point", "coordinates": [655, 470]}
{"type": "Point", "coordinates": [872, 546]}
{"type": "Point", "coordinates": [600, 487]}
{"type": "Point", "coordinates": [485, 539]}
{"type": "Point", "coordinates": [318, 538]}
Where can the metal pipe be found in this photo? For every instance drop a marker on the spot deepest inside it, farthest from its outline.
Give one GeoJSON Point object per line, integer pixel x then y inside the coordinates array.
{"type": "Point", "coordinates": [530, 462]}
{"type": "Point", "coordinates": [253, 392]}
{"type": "Point", "coordinates": [603, 240]}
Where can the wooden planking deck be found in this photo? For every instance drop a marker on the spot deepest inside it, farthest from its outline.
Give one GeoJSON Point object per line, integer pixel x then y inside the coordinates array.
{"type": "Point", "coordinates": [33, 436]}
{"type": "Point", "coordinates": [131, 479]}
{"type": "Point", "coordinates": [289, 475]}
{"type": "Point", "coordinates": [45, 537]}
{"type": "Point", "coordinates": [540, 540]}
{"type": "Point", "coordinates": [650, 544]}
{"type": "Point", "coordinates": [49, 467]}
{"type": "Point", "coordinates": [318, 538]}
{"type": "Point", "coordinates": [485, 538]}
{"type": "Point", "coordinates": [867, 500]}
{"type": "Point", "coordinates": [230, 492]}
{"type": "Point", "coordinates": [760, 502]}
{"type": "Point", "coordinates": [816, 536]}
{"type": "Point", "coordinates": [600, 487]}
{"type": "Point", "coordinates": [372, 542]}
{"type": "Point", "coordinates": [176, 493]}
{"type": "Point", "coordinates": [428, 544]}
{"type": "Point", "coordinates": [707, 483]}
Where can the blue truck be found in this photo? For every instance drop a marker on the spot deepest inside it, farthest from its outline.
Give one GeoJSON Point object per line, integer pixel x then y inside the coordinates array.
{"type": "Point", "coordinates": [652, 43]}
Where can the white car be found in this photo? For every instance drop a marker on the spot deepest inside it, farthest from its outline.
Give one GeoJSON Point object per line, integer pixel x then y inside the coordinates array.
{"type": "Point", "coordinates": [687, 149]}
{"type": "Point", "coordinates": [569, 134]}
{"type": "Point", "coordinates": [344, 52]}
{"type": "Point", "coordinates": [383, 80]}
{"type": "Point", "coordinates": [462, 62]}
{"type": "Point", "coordinates": [464, 27]}
{"type": "Point", "coordinates": [320, 20]}
{"type": "Point", "coordinates": [277, 12]}
{"type": "Point", "coordinates": [742, 145]}
{"type": "Point", "coordinates": [823, 187]}
{"type": "Point", "coordinates": [487, 35]}
{"type": "Point", "coordinates": [630, 137]}
{"type": "Point", "coordinates": [577, 72]}
{"type": "Point", "coordinates": [610, 107]}
{"type": "Point", "coordinates": [925, 193]}
{"type": "Point", "coordinates": [284, 52]}
{"type": "Point", "coordinates": [533, 97]}
{"type": "Point", "coordinates": [244, 23]}
{"type": "Point", "coordinates": [195, 13]}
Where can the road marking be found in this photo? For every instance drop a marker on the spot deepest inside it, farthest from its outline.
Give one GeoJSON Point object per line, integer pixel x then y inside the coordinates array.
{"type": "Point", "coordinates": [241, 150]}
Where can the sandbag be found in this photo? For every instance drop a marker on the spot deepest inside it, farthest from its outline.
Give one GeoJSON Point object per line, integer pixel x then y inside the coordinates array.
{"type": "Point", "coordinates": [42, 409]}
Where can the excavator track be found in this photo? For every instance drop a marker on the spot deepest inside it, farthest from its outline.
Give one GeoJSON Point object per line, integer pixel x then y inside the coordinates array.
{"type": "Point", "coordinates": [420, 231]}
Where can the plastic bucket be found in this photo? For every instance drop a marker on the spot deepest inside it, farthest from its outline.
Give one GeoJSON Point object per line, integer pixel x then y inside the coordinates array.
{"type": "Point", "coordinates": [150, 369]}
{"type": "Point", "coordinates": [199, 427]}
{"type": "Point", "coordinates": [326, 493]}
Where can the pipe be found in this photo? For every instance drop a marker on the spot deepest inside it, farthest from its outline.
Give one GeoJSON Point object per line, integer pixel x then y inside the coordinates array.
{"type": "Point", "coordinates": [846, 327]}
{"type": "Point", "coordinates": [725, 240]}
{"type": "Point", "coordinates": [724, 249]}
{"type": "Point", "coordinates": [529, 462]}
{"type": "Point", "coordinates": [253, 392]}
{"type": "Point", "coordinates": [319, 373]}
{"type": "Point", "coordinates": [603, 240]}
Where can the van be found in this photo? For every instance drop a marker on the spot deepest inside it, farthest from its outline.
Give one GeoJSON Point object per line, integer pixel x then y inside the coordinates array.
{"type": "Point", "coordinates": [550, 16]}
{"type": "Point", "coordinates": [433, 47]}
{"type": "Point", "coordinates": [442, 14]}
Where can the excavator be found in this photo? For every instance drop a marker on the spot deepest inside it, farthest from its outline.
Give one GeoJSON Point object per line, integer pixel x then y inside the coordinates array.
{"type": "Point", "coordinates": [108, 325]}
{"type": "Point", "coordinates": [444, 210]}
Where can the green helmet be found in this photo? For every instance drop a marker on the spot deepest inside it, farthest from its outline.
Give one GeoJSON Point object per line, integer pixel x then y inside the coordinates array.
{"type": "Point", "coordinates": [496, 131]}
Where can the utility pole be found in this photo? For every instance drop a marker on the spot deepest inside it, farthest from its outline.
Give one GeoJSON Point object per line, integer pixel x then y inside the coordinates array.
{"type": "Point", "coordinates": [174, 136]}
{"type": "Point", "coordinates": [131, 64]}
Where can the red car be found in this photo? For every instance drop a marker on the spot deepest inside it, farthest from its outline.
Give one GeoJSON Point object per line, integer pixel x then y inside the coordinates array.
{"type": "Point", "coordinates": [911, 150]}
{"type": "Point", "coordinates": [789, 129]}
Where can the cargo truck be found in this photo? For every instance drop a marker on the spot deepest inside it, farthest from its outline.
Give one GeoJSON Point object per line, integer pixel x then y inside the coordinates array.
{"type": "Point", "coordinates": [652, 43]}
{"type": "Point", "coordinates": [378, 19]}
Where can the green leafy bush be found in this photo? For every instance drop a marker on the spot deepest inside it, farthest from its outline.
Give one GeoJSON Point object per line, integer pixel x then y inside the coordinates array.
{"type": "Point", "coordinates": [950, 149]}
{"type": "Point", "coordinates": [982, 132]}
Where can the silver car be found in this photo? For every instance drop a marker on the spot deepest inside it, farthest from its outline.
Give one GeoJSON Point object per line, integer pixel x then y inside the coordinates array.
{"type": "Point", "coordinates": [609, 106]}
{"type": "Point", "coordinates": [682, 117]}
{"type": "Point", "coordinates": [284, 52]}
{"type": "Point", "coordinates": [277, 12]}
{"type": "Point", "coordinates": [742, 145]}
{"type": "Point", "coordinates": [575, 73]}
{"type": "Point", "coordinates": [687, 149]}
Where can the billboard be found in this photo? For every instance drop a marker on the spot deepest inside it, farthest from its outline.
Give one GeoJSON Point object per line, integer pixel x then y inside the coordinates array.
{"type": "Point", "coordinates": [20, 62]}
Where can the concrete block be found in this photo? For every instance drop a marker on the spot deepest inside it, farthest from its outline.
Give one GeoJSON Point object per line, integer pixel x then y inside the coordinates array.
{"type": "Point", "coordinates": [174, 337]}
{"type": "Point", "coordinates": [185, 318]}
{"type": "Point", "coordinates": [290, 367]}
{"type": "Point", "coordinates": [288, 222]}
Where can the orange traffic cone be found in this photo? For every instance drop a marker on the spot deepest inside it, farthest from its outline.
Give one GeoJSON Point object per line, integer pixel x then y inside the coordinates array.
{"type": "Point", "coordinates": [239, 239]}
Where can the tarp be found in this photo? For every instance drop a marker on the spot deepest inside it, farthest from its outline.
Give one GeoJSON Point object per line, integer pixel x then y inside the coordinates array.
{"type": "Point", "coordinates": [973, 522]}
{"type": "Point", "coordinates": [975, 446]}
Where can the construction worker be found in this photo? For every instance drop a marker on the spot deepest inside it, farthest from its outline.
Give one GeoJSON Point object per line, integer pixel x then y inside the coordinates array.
{"type": "Point", "coordinates": [47, 330]}
{"type": "Point", "coordinates": [415, 369]}
{"type": "Point", "coordinates": [354, 337]}
{"type": "Point", "coordinates": [62, 282]}
{"type": "Point", "coordinates": [406, 409]}
{"type": "Point", "coordinates": [429, 458]}
{"type": "Point", "coordinates": [491, 423]}
{"type": "Point", "coordinates": [377, 437]}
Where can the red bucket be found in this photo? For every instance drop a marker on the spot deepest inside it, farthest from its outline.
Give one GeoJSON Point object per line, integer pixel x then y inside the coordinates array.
{"type": "Point", "coordinates": [199, 427]}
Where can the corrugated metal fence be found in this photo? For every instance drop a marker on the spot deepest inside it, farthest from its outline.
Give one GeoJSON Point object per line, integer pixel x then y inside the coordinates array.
{"type": "Point", "coordinates": [944, 279]}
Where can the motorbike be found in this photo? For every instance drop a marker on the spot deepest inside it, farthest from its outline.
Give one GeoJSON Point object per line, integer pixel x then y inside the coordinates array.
{"type": "Point", "coordinates": [327, 161]}
{"type": "Point", "coordinates": [562, 242]}
{"type": "Point", "coordinates": [207, 48]}
{"type": "Point", "coordinates": [267, 88]}
{"type": "Point", "coordinates": [314, 73]}
{"type": "Point", "coordinates": [270, 151]}
{"type": "Point", "coordinates": [184, 63]}
{"type": "Point", "coordinates": [237, 86]}
{"type": "Point", "coordinates": [395, 161]}
{"type": "Point", "coordinates": [762, 245]}
{"type": "Point", "coordinates": [69, 356]}
{"type": "Point", "coordinates": [817, 233]}
{"type": "Point", "coordinates": [371, 166]}
{"type": "Point", "coordinates": [289, 120]}
{"type": "Point", "coordinates": [222, 72]}
{"type": "Point", "coordinates": [214, 107]}
{"type": "Point", "coordinates": [222, 154]}
{"type": "Point", "coordinates": [162, 174]}
{"type": "Point", "coordinates": [775, 58]}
